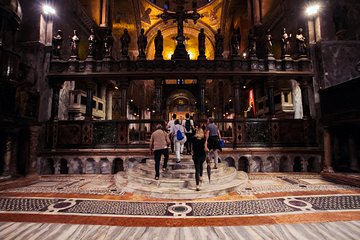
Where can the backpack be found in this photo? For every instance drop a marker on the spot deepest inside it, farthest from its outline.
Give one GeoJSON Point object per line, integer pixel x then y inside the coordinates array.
{"type": "Point", "coordinates": [187, 125]}
{"type": "Point", "coordinates": [179, 135]}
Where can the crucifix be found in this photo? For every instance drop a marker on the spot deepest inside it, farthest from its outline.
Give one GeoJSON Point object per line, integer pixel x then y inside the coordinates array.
{"type": "Point", "coordinates": [181, 16]}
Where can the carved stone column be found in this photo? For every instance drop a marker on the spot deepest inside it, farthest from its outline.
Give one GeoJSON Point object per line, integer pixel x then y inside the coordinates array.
{"type": "Point", "coordinates": [109, 98]}
{"type": "Point", "coordinates": [56, 86]}
{"type": "Point", "coordinates": [34, 149]}
{"type": "Point", "coordinates": [158, 96]}
{"type": "Point", "coordinates": [238, 96]}
{"type": "Point", "coordinates": [327, 163]}
{"type": "Point", "coordinates": [202, 84]}
{"type": "Point", "coordinates": [270, 84]}
{"type": "Point", "coordinates": [304, 86]}
{"type": "Point", "coordinates": [89, 99]}
{"type": "Point", "coordinates": [123, 87]}
{"type": "Point", "coordinates": [7, 156]}
{"type": "Point", "coordinates": [255, 10]}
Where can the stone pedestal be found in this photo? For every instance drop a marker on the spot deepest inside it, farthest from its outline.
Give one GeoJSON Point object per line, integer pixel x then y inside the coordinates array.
{"type": "Point", "coordinates": [34, 149]}
{"type": "Point", "coordinates": [73, 64]}
{"type": "Point", "coordinates": [89, 64]}
{"type": "Point", "coordinates": [271, 63]}
{"type": "Point", "coordinates": [327, 163]}
{"type": "Point", "coordinates": [288, 64]}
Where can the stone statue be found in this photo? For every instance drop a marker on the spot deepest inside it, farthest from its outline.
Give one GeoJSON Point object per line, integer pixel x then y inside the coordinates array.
{"type": "Point", "coordinates": [252, 43]}
{"type": "Point", "coordinates": [268, 43]}
{"type": "Point", "coordinates": [75, 40]}
{"type": "Point", "coordinates": [201, 43]}
{"type": "Point", "coordinates": [219, 43]}
{"type": "Point", "coordinates": [57, 43]}
{"type": "Point", "coordinates": [125, 41]}
{"type": "Point", "coordinates": [300, 42]}
{"type": "Point", "coordinates": [108, 43]}
{"type": "Point", "coordinates": [92, 42]}
{"type": "Point", "coordinates": [285, 43]}
{"type": "Point", "coordinates": [159, 47]}
{"type": "Point", "coordinates": [235, 42]}
{"type": "Point", "coordinates": [142, 42]}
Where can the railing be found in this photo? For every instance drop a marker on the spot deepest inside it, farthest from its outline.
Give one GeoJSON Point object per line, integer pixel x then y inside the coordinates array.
{"type": "Point", "coordinates": [136, 133]}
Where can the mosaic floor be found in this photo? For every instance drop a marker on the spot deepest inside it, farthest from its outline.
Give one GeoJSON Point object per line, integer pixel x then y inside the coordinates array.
{"type": "Point", "coordinates": [286, 203]}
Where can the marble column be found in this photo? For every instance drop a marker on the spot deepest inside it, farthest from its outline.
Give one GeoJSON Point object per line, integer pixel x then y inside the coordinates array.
{"type": "Point", "coordinates": [89, 99]}
{"type": "Point", "coordinates": [158, 96]}
{"type": "Point", "coordinates": [123, 87]}
{"type": "Point", "coordinates": [7, 156]}
{"type": "Point", "coordinates": [202, 84]}
{"type": "Point", "coordinates": [237, 97]}
{"type": "Point", "coordinates": [354, 161]}
{"type": "Point", "coordinates": [304, 86]}
{"type": "Point", "coordinates": [221, 109]}
{"type": "Point", "coordinates": [255, 10]}
{"type": "Point", "coordinates": [109, 98]}
{"type": "Point", "coordinates": [327, 163]}
{"type": "Point", "coordinates": [270, 84]}
{"type": "Point", "coordinates": [55, 100]}
{"type": "Point", "coordinates": [34, 149]}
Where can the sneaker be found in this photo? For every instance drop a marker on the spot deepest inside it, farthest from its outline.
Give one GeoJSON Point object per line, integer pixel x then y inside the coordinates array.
{"type": "Point", "coordinates": [156, 178]}
{"type": "Point", "coordinates": [215, 167]}
{"type": "Point", "coordinates": [164, 169]}
{"type": "Point", "coordinates": [201, 179]}
{"type": "Point", "coordinates": [177, 161]}
{"type": "Point", "coordinates": [197, 188]}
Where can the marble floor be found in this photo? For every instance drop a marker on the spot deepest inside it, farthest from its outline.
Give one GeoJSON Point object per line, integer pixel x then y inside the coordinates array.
{"type": "Point", "coordinates": [269, 206]}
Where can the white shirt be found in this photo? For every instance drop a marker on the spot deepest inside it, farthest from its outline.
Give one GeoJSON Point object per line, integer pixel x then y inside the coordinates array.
{"type": "Point", "coordinates": [191, 125]}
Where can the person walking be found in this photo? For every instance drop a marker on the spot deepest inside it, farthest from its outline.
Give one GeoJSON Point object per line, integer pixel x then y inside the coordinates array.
{"type": "Point", "coordinates": [170, 125]}
{"type": "Point", "coordinates": [178, 132]}
{"type": "Point", "coordinates": [212, 143]}
{"type": "Point", "coordinates": [188, 124]}
{"type": "Point", "coordinates": [199, 154]}
{"type": "Point", "coordinates": [159, 142]}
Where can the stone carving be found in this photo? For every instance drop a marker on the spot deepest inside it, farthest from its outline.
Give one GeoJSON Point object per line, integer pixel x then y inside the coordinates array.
{"type": "Point", "coordinates": [108, 43]}
{"type": "Point", "coordinates": [201, 43]}
{"type": "Point", "coordinates": [57, 44]}
{"type": "Point", "coordinates": [125, 41]}
{"type": "Point", "coordinates": [74, 45]}
{"type": "Point", "coordinates": [252, 43]}
{"type": "Point", "coordinates": [159, 47]}
{"type": "Point", "coordinates": [268, 43]}
{"type": "Point", "coordinates": [219, 43]}
{"type": "Point", "coordinates": [235, 42]}
{"type": "Point", "coordinates": [300, 43]}
{"type": "Point", "coordinates": [92, 43]}
{"type": "Point", "coordinates": [142, 43]}
{"type": "Point", "coordinates": [285, 43]}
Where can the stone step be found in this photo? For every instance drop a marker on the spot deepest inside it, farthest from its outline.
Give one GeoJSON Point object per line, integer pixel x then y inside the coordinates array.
{"type": "Point", "coordinates": [134, 176]}
{"type": "Point", "coordinates": [157, 189]}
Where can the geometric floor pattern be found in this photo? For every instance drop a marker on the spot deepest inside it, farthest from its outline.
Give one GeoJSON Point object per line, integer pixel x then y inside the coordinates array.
{"type": "Point", "coordinates": [269, 206]}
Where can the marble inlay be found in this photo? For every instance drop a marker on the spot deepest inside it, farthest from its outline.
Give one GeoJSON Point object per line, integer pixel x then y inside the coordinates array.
{"type": "Point", "coordinates": [46, 231]}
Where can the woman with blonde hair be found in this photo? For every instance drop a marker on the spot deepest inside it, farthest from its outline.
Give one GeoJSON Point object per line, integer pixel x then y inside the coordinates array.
{"type": "Point", "coordinates": [199, 154]}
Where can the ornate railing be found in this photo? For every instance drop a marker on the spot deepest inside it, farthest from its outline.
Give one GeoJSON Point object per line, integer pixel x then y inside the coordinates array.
{"type": "Point", "coordinates": [136, 133]}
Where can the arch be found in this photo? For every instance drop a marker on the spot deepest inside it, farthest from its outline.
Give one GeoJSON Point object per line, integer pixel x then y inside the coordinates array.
{"type": "Point", "coordinates": [90, 166]}
{"type": "Point", "coordinates": [64, 168]}
{"type": "Point", "coordinates": [297, 167]}
{"type": "Point", "coordinates": [243, 164]}
{"type": "Point", "coordinates": [284, 164]}
{"type": "Point", "coordinates": [230, 162]}
{"type": "Point", "coordinates": [47, 166]}
{"type": "Point", "coordinates": [118, 165]}
{"type": "Point", "coordinates": [313, 165]}
{"type": "Point", "coordinates": [256, 164]}
{"type": "Point", "coordinates": [105, 166]}
{"type": "Point", "coordinates": [268, 164]}
{"type": "Point", "coordinates": [76, 166]}
{"type": "Point", "coordinates": [132, 162]}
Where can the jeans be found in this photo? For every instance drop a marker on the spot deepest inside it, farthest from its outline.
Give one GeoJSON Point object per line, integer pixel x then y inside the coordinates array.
{"type": "Point", "coordinates": [157, 156]}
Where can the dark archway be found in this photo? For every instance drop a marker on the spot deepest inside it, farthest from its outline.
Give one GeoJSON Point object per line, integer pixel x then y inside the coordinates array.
{"type": "Point", "coordinates": [284, 162]}
{"type": "Point", "coordinates": [230, 162]}
{"type": "Point", "coordinates": [297, 164]}
{"type": "Point", "coordinates": [243, 164]}
{"type": "Point", "coordinates": [118, 165]}
{"type": "Point", "coordinates": [64, 169]}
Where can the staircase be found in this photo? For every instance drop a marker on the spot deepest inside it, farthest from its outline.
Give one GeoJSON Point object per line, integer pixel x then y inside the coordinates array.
{"type": "Point", "coordinates": [178, 182]}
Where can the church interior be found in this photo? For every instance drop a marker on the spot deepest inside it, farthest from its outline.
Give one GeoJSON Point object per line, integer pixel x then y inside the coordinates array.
{"type": "Point", "coordinates": [85, 83]}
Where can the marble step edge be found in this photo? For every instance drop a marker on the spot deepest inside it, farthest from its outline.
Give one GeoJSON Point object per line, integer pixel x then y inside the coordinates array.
{"type": "Point", "coordinates": [164, 182]}
{"type": "Point", "coordinates": [179, 173]}
{"type": "Point", "coordinates": [187, 193]}
{"type": "Point", "coordinates": [135, 176]}
{"type": "Point", "coordinates": [180, 169]}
